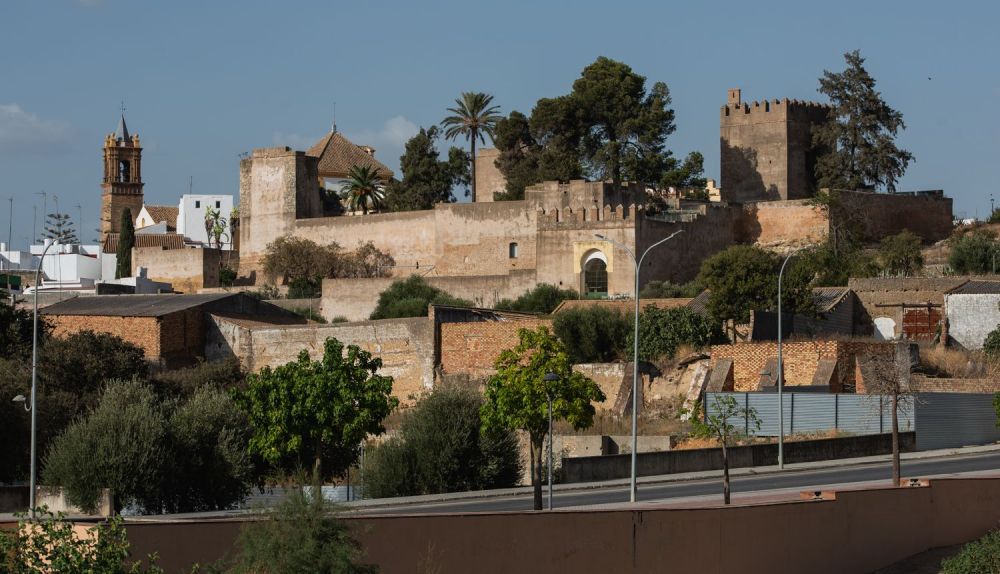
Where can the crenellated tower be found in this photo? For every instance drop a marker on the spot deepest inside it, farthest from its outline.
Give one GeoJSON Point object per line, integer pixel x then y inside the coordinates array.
{"type": "Point", "coordinates": [122, 185]}
{"type": "Point", "coordinates": [766, 148]}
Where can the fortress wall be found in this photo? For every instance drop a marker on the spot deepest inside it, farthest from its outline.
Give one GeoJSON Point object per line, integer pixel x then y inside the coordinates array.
{"type": "Point", "coordinates": [926, 214]}
{"type": "Point", "coordinates": [489, 180]}
{"type": "Point", "coordinates": [680, 259]}
{"type": "Point", "coordinates": [474, 239]}
{"type": "Point", "coordinates": [782, 223]}
{"type": "Point", "coordinates": [409, 236]}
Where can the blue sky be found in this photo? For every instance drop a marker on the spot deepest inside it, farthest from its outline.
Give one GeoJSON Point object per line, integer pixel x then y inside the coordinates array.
{"type": "Point", "coordinates": [205, 81]}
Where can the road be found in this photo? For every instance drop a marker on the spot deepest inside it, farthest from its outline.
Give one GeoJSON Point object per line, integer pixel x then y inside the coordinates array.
{"type": "Point", "coordinates": [775, 481]}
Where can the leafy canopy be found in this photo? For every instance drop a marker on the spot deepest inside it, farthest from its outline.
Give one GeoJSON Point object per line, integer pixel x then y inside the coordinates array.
{"type": "Point", "coordinates": [663, 331]}
{"type": "Point", "coordinates": [593, 334]}
{"type": "Point", "coordinates": [899, 255]}
{"type": "Point", "coordinates": [857, 149]}
{"type": "Point", "coordinates": [411, 297]}
{"type": "Point", "coordinates": [974, 253]}
{"type": "Point", "coordinates": [317, 411]}
{"type": "Point", "coordinates": [427, 180]}
{"type": "Point", "coordinates": [543, 298]}
{"type": "Point", "coordinates": [473, 118]}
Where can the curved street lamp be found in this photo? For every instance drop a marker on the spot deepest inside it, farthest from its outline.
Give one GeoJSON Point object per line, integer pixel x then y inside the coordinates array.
{"type": "Point", "coordinates": [34, 381]}
{"type": "Point", "coordinates": [781, 371]}
{"type": "Point", "coordinates": [549, 379]}
{"type": "Point", "coordinates": [633, 489]}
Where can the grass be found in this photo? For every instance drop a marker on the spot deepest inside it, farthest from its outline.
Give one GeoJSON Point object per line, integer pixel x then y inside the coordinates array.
{"type": "Point", "coordinates": [955, 363]}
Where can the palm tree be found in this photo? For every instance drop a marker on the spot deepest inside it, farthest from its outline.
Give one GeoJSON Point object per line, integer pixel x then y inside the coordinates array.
{"type": "Point", "coordinates": [474, 117]}
{"type": "Point", "coordinates": [364, 189]}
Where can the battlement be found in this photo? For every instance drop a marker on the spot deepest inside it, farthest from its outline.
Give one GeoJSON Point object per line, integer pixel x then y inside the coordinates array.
{"type": "Point", "coordinates": [783, 106]}
{"type": "Point", "coordinates": [592, 214]}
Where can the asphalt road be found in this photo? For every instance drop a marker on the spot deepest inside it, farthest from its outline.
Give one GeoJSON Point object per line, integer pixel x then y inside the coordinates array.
{"type": "Point", "coordinates": [799, 479]}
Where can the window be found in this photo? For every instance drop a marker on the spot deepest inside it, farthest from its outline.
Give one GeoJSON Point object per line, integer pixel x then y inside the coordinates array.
{"type": "Point", "coordinates": [218, 204]}
{"type": "Point", "coordinates": [595, 277]}
{"type": "Point", "coordinates": [512, 250]}
{"type": "Point", "coordinates": [123, 171]}
{"type": "Point", "coordinates": [197, 205]}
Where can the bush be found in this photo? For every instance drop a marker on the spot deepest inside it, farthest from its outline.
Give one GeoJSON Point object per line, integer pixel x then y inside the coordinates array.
{"type": "Point", "coordinates": [81, 362]}
{"type": "Point", "coordinates": [227, 276]}
{"type": "Point", "coordinates": [224, 374]}
{"type": "Point", "coordinates": [443, 448]}
{"type": "Point", "coordinates": [309, 313]}
{"type": "Point", "coordinates": [978, 556]}
{"type": "Point", "coordinates": [544, 298]}
{"type": "Point", "coordinates": [16, 328]}
{"type": "Point", "coordinates": [668, 290]}
{"type": "Point", "coordinates": [899, 255]}
{"type": "Point", "coordinates": [303, 288]}
{"type": "Point", "coordinates": [663, 331]}
{"type": "Point", "coordinates": [265, 292]}
{"type": "Point", "coordinates": [593, 334]}
{"type": "Point", "coordinates": [973, 253]}
{"type": "Point", "coordinates": [411, 297]}
{"type": "Point", "coordinates": [991, 345]}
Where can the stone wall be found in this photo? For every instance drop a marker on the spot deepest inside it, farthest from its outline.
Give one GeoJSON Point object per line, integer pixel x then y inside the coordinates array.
{"type": "Point", "coordinates": [927, 214]}
{"type": "Point", "coordinates": [489, 180]}
{"type": "Point", "coordinates": [609, 377]}
{"type": "Point", "coordinates": [473, 348]}
{"type": "Point", "coordinates": [705, 233]}
{"type": "Point", "coordinates": [187, 270]}
{"type": "Point", "coordinates": [885, 302]}
{"type": "Point", "coordinates": [971, 317]}
{"type": "Point", "coordinates": [405, 346]}
{"type": "Point", "coordinates": [771, 224]}
{"type": "Point", "coordinates": [143, 332]}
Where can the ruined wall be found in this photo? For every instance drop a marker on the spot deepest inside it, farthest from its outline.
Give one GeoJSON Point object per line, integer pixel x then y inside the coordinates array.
{"type": "Point", "coordinates": [489, 180]}
{"type": "Point", "coordinates": [143, 332]}
{"type": "Point", "coordinates": [406, 347]}
{"type": "Point", "coordinates": [771, 224]}
{"type": "Point", "coordinates": [473, 348]}
{"type": "Point", "coordinates": [609, 377]}
{"type": "Point", "coordinates": [583, 194]}
{"type": "Point", "coordinates": [971, 317]}
{"type": "Point", "coordinates": [705, 233]}
{"type": "Point", "coordinates": [927, 214]}
{"type": "Point", "coordinates": [187, 270]}
{"type": "Point", "coordinates": [887, 302]}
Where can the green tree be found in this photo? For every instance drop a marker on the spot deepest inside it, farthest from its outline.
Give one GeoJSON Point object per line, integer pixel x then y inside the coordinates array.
{"type": "Point", "coordinates": [593, 334]}
{"type": "Point", "coordinates": [411, 297]}
{"type": "Point", "coordinates": [16, 328]}
{"type": "Point", "coordinates": [744, 278]}
{"type": "Point", "coordinates": [833, 267]}
{"type": "Point", "coordinates": [50, 544]}
{"type": "Point", "coordinates": [300, 536]}
{"type": "Point", "coordinates": [293, 258]}
{"type": "Point", "coordinates": [120, 445]}
{"type": "Point", "coordinates": [59, 227]}
{"type": "Point", "coordinates": [529, 155]}
{"type": "Point", "coordinates": [317, 411]}
{"type": "Point", "coordinates": [126, 241]}
{"type": "Point", "coordinates": [899, 255]}
{"type": "Point", "coordinates": [83, 361]}
{"type": "Point", "coordinates": [687, 174]}
{"type": "Point", "coordinates": [472, 118]}
{"type": "Point", "coordinates": [857, 148]}
{"type": "Point", "coordinates": [543, 298]}
{"type": "Point", "coordinates": [517, 395]}
{"type": "Point", "coordinates": [364, 188]}
{"type": "Point", "coordinates": [663, 331]}
{"type": "Point", "coordinates": [719, 425]}
{"type": "Point", "coordinates": [442, 447]}
{"type": "Point", "coordinates": [668, 290]}
{"type": "Point", "coordinates": [973, 253]}
{"type": "Point", "coordinates": [427, 180]}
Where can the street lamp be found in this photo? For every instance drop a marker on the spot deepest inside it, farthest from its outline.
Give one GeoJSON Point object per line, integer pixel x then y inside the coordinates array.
{"type": "Point", "coordinates": [34, 380]}
{"type": "Point", "coordinates": [781, 372]}
{"type": "Point", "coordinates": [633, 489]}
{"type": "Point", "coordinates": [23, 401]}
{"type": "Point", "coordinates": [549, 379]}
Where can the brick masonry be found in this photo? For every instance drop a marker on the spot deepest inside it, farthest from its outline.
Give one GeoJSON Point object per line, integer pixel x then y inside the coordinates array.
{"type": "Point", "coordinates": [473, 348]}
{"type": "Point", "coordinates": [144, 332]}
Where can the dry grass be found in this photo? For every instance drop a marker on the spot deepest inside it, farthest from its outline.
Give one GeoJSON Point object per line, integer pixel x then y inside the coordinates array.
{"type": "Point", "coordinates": [955, 363]}
{"type": "Point", "coordinates": [698, 442]}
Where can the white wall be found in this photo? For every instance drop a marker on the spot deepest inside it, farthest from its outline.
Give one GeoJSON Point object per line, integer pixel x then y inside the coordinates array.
{"type": "Point", "coordinates": [191, 216]}
{"type": "Point", "coordinates": [971, 317]}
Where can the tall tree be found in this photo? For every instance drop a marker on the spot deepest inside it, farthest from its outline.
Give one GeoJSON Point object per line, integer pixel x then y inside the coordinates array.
{"type": "Point", "coordinates": [126, 241]}
{"type": "Point", "coordinates": [317, 411]}
{"type": "Point", "coordinates": [364, 189]}
{"type": "Point", "coordinates": [473, 118]}
{"type": "Point", "coordinates": [899, 255]}
{"type": "Point", "coordinates": [529, 155]}
{"type": "Point", "coordinates": [857, 149]}
{"type": "Point", "coordinates": [517, 396]}
{"type": "Point", "coordinates": [59, 227]}
{"type": "Point", "coordinates": [427, 179]}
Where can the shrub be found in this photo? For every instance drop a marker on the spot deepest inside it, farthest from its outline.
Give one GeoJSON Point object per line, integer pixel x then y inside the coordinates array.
{"type": "Point", "coordinates": [265, 292]}
{"type": "Point", "coordinates": [308, 313]}
{"type": "Point", "coordinates": [991, 345]}
{"type": "Point", "coordinates": [973, 253]}
{"type": "Point", "coordinates": [443, 448]}
{"type": "Point", "coordinates": [224, 374]}
{"type": "Point", "coordinates": [411, 297]}
{"type": "Point", "coordinates": [899, 255]}
{"type": "Point", "coordinates": [81, 362]}
{"type": "Point", "coordinates": [663, 331]}
{"type": "Point", "coordinates": [16, 328]}
{"type": "Point", "coordinates": [544, 298]}
{"type": "Point", "coordinates": [593, 334]}
{"type": "Point", "coordinates": [668, 290]}
{"type": "Point", "coordinates": [976, 557]}
{"type": "Point", "coordinates": [227, 276]}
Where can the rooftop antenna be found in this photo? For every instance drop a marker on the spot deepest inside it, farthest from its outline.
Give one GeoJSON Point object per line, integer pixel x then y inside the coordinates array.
{"type": "Point", "coordinates": [190, 184]}
{"type": "Point", "coordinates": [333, 128]}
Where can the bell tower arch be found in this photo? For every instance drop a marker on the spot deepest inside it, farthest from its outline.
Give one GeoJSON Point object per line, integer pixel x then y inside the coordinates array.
{"type": "Point", "coordinates": [121, 187]}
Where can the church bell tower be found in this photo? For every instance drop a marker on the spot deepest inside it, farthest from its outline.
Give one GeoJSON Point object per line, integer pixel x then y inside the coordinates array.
{"type": "Point", "coordinates": [122, 185]}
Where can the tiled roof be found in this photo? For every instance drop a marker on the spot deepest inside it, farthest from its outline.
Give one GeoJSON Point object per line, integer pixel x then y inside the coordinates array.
{"type": "Point", "coordinates": [337, 156]}
{"type": "Point", "coordinates": [164, 240]}
{"type": "Point", "coordinates": [977, 287]}
{"type": "Point", "coordinates": [166, 213]}
{"type": "Point", "coordinates": [939, 284]}
{"type": "Point", "coordinates": [826, 298]}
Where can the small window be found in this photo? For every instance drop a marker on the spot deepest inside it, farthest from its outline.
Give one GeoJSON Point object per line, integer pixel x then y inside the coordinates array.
{"type": "Point", "coordinates": [218, 204]}
{"type": "Point", "coordinates": [512, 250]}
{"type": "Point", "coordinates": [197, 205]}
{"type": "Point", "coordinates": [595, 277]}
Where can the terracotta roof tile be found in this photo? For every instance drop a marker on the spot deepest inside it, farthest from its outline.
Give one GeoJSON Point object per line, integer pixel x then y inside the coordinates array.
{"type": "Point", "coordinates": [337, 155]}
{"type": "Point", "coordinates": [166, 213]}
{"type": "Point", "coordinates": [164, 240]}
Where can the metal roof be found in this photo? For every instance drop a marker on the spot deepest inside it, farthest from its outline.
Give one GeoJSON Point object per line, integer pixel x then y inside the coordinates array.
{"type": "Point", "coordinates": [132, 305]}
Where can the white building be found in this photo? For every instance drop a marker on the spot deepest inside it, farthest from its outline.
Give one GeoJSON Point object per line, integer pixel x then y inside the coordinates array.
{"type": "Point", "coordinates": [191, 217]}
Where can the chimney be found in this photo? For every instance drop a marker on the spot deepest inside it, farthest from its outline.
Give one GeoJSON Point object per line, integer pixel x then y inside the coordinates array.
{"type": "Point", "coordinates": [734, 97]}
{"type": "Point", "coordinates": [368, 150]}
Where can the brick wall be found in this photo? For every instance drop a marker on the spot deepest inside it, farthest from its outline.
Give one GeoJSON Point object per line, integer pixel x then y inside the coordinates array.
{"type": "Point", "coordinates": [143, 332]}
{"type": "Point", "coordinates": [472, 348]}
{"type": "Point", "coordinates": [182, 334]}
{"type": "Point", "coordinates": [922, 384]}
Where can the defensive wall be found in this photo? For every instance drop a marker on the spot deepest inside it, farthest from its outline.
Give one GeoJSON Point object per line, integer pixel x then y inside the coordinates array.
{"type": "Point", "coordinates": [473, 348]}
{"type": "Point", "coordinates": [824, 532]}
{"type": "Point", "coordinates": [877, 215]}
{"type": "Point", "coordinates": [187, 270]}
{"type": "Point", "coordinates": [782, 224]}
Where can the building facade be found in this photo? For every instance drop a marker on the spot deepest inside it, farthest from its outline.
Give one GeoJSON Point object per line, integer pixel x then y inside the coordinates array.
{"type": "Point", "coordinates": [121, 187]}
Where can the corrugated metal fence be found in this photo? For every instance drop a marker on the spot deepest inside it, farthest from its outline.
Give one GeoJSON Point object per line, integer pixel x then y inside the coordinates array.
{"type": "Point", "coordinates": [941, 420]}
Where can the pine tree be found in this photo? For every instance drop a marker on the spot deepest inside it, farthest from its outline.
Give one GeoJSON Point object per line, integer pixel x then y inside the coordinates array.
{"type": "Point", "coordinates": [59, 228]}
{"type": "Point", "coordinates": [856, 150]}
{"type": "Point", "coordinates": [126, 241]}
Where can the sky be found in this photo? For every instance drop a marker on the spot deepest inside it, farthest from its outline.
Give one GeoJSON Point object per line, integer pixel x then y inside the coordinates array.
{"type": "Point", "coordinates": [204, 81]}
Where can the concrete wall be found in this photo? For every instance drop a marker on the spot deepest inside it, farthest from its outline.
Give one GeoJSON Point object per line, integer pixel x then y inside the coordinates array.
{"type": "Point", "coordinates": [971, 317]}
{"type": "Point", "coordinates": [597, 468]}
{"type": "Point", "coordinates": [187, 270]}
{"type": "Point", "coordinates": [405, 346]}
{"type": "Point", "coordinates": [839, 531]}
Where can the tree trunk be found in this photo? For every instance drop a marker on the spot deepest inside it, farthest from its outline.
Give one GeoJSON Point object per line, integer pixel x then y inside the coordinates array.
{"type": "Point", "coordinates": [472, 187]}
{"type": "Point", "coordinates": [536, 470]}
{"type": "Point", "coordinates": [895, 439]}
{"type": "Point", "coordinates": [725, 474]}
{"type": "Point", "coordinates": [317, 477]}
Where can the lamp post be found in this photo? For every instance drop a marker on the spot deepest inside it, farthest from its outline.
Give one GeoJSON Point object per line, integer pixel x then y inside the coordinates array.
{"type": "Point", "coordinates": [781, 372]}
{"type": "Point", "coordinates": [34, 381]}
{"type": "Point", "coordinates": [549, 379]}
{"type": "Point", "coordinates": [633, 489]}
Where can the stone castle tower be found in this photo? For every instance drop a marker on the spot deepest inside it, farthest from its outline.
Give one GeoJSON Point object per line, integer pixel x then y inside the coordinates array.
{"type": "Point", "coordinates": [766, 148]}
{"type": "Point", "coordinates": [122, 185]}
